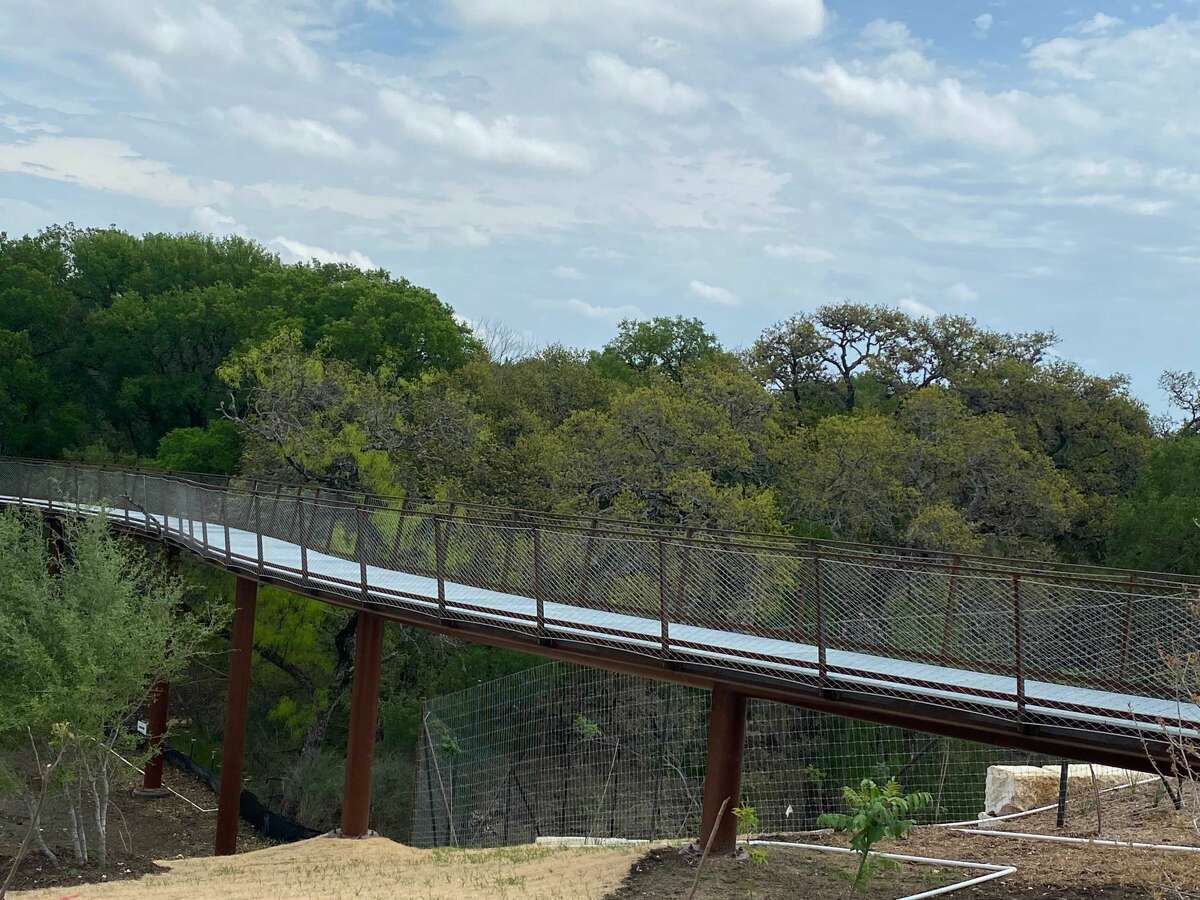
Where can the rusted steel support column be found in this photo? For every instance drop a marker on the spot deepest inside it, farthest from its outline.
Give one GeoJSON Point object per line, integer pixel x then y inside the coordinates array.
{"type": "Point", "coordinates": [152, 776]}
{"type": "Point", "coordinates": [364, 709]}
{"type": "Point", "coordinates": [234, 740]}
{"type": "Point", "coordinates": [723, 771]}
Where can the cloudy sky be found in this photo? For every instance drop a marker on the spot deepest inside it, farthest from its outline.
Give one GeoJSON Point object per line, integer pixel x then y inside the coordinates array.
{"type": "Point", "coordinates": [557, 165]}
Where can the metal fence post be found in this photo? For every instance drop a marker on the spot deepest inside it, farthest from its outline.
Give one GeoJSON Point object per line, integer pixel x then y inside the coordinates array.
{"type": "Point", "coordinates": [662, 598]}
{"type": "Point", "coordinates": [1018, 662]}
{"type": "Point", "coordinates": [537, 582]}
{"type": "Point", "coordinates": [203, 520]}
{"type": "Point", "coordinates": [822, 671]}
{"type": "Point", "coordinates": [254, 503]}
{"type": "Point", "coordinates": [225, 525]}
{"type": "Point", "coordinates": [1126, 628]}
{"type": "Point", "coordinates": [439, 562]}
{"type": "Point", "coordinates": [951, 601]}
{"type": "Point", "coordinates": [359, 550]}
{"type": "Point", "coordinates": [303, 538]}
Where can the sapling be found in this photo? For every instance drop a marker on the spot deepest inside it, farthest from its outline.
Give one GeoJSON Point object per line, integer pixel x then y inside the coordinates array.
{"type": "Point", "coordinates": [877, 812]}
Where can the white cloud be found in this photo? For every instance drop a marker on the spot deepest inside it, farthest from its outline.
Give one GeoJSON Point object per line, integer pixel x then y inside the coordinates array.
{"type": "Point", "coordinates": [1063, 56]}
{"type": "Point", "coordinates": [887, 35]}
{"type": "Point", "coordinates": [942, 110]}
{"type": "Point", "coordinates": [295, 251]}
{"type": "Point", "coordinates": [105, 165]}
{"type": "Point", "coordinates": [593, 311]}
{"type": "Point", "coordinates": [286, 52]}
{"type": "Point", "coordinates": [570, 273]}
{"type": "Point", "coordinates": [647, 87]}
{"type": "Point", "coordinates": [1098, 24]}
{"type": "Point", "coordinates": [798, 251]}
{"type": "Point", "coordinates": [657, 45]}
{"type": "Point", "coordinates": [213, 221]}
{"type": "Point", "coordinates": [305, 136]}
{"type": "Point", "coordinates": [916, 308]}
{"type": "Point", "coordinates": [23, 125]}
{"type": "Point", "coordinates": [713, 294]}
{"type": "Point", "coordinates": [778, 20]}
{"type": "Point", "coordinates": [983, 24]}
{"type": "Point", "coordinates": [146, 73]}
{"type": "Point", "coordinates": [961, 292]}
{"type": "Point", "coordinates": [466, 134]}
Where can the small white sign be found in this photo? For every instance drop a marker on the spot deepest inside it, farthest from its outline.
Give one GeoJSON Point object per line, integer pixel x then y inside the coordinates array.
{"type": "Point", "coordinates": [143, 727]}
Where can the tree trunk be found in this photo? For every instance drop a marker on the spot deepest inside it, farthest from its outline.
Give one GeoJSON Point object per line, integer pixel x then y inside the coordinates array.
{"type": "Point", "coordinates": [77, 839]}
{"type": "Point", "coordinates": [35, 814]}
{"type": "Point", "coordinates": [343, 669]}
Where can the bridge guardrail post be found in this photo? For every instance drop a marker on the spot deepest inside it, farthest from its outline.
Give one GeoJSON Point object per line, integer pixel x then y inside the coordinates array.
{"type": "Point", "coordinates": [225, 525]}
{"type": "Point", "coordinates": [359, 550]}
{"type": "Point", "coordinates": [537, 582]}
{"type": "Point", "coordinates": [662, 598]}
{"type": "Point", "coordinates": [187, 505]}
{"type": "Point", "coordinates": [822, 671]}
{"type": "Point", "coordinates": [303, 537]}
{"type": "Point", "coordinates": [951, 605]}
{"type": "Point", "coordinates": [439, 562]}
{"type": "Point", "coordinates": [1125, 628]}
{"type": "Point", "coordinates": [1017, 649]}
{"type": "Point", "coordinates": [78, 497]}
{"type": "Point", "coordinates": [203, 519]}
{"type": "Point", "coordinates": [258, 539]}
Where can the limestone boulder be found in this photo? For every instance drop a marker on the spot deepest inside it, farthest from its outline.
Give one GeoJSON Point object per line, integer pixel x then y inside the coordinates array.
{"type": "Point", "coordinates": [1011, 789]}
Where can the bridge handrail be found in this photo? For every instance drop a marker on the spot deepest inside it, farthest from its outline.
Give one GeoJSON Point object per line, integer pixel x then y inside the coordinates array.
{"type": "Point", "coordinates": [1092, 632]}
{"type": "Point", "coordinates": [414, 504]}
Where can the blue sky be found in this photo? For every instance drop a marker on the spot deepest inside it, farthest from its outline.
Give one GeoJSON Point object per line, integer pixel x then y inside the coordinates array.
{"type": "Point", "coordinates": [556, 165]}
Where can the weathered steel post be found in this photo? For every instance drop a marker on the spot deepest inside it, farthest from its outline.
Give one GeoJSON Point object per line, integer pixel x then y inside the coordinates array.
{"type": "Point", "coordinates": [234, 739]}
{"type": "Point", "coordinates": [723, 770]}
{"type": "Point", "coordinates": [364, 709]}
{"type": "Point", "coordinates": [152, 775]}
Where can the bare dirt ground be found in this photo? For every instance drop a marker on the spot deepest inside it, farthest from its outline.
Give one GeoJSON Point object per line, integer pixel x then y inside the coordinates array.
{"type": "Point", "coordinates": [786, 873]}
{"type": "Point", "coordinates": [333, 869]}
{"type": "Point", "coordinates": [160, 832]}
{"type": "Point", "coordinates": [140, 832]}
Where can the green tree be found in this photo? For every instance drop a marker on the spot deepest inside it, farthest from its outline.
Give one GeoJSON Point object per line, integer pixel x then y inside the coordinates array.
{"type": "Point", "coordinates": [1155, 528]}
{"type": "Point", "coordinates": [662, 344]}
{"type": "Point", "coordinates": [87, 635]}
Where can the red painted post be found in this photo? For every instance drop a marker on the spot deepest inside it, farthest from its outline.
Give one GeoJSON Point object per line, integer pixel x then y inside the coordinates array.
{"type": "Point", "coordinates": [723, 771]}
{"type": "Point", "coordinates": [364, 709]}
{"type": "Point", "coordinates": [152, 776]}
{"type": "Point", "coordinates": [234, 739]}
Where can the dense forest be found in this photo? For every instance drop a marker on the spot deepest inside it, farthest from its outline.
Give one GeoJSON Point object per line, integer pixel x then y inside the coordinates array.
{"type": "Point", "coordinates": [858, 421]}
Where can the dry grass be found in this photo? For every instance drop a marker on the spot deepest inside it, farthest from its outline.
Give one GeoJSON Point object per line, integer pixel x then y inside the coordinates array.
{"type": "Point", "coordinates": [376, 867]}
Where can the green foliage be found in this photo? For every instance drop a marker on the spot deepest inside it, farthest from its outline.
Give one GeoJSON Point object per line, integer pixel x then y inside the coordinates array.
{"type": "Point", "coordinates": [876, 812]}
{"type": "Point", "coordinates": [1156, 526]}
{"type": "Point", "coordinates": [747, 819]}
{"type": "Point", "coordinates": [215, 449]}
{"type": "Point", "coordinates": [661, 344]}
{"type": "Point", "coordinates": [585, 728]}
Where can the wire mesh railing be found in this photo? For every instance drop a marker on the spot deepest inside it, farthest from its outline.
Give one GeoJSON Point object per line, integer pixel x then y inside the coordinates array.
{"type": "Point", "coordinates": [563, 750]}
{"type": "Point", "coordinates": [1030, 644]}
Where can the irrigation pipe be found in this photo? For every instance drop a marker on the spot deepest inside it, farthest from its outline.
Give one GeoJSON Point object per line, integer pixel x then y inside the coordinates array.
{"type": "Point", "coordinates": [991, 871]}
{"type": "Point", "coordinates": [1063, 839]}
{"type": "Point", "coordinates": [172, 790]}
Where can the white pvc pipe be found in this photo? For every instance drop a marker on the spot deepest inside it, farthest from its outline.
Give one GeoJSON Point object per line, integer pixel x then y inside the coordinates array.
{"type": "Point", "coordinates": [1040, 809]}
{"type": "Point", "coordinates": [991, 870]}
{"type": "Point", "coordinates": [1062, 839]}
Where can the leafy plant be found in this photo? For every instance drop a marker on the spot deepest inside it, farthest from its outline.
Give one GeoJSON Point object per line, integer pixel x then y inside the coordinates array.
{"type": "Point", "coordinates": [877, 812]}
{"type": "Point", "coordinates": [747, 823]}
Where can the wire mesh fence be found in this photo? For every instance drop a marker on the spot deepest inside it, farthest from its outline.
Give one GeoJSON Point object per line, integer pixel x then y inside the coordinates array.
{"type": "Point", "coordinates": [562, 750]}
{"type": "Point", "coordinates": [1028, 642]}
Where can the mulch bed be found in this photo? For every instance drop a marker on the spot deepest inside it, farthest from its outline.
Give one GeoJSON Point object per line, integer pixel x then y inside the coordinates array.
{"type": "Point", "coordinates": [139, 832]}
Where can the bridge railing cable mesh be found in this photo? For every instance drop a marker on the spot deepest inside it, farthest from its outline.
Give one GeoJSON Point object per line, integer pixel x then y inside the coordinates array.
{"type": "Point", "coordinates": [1028, 643]}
